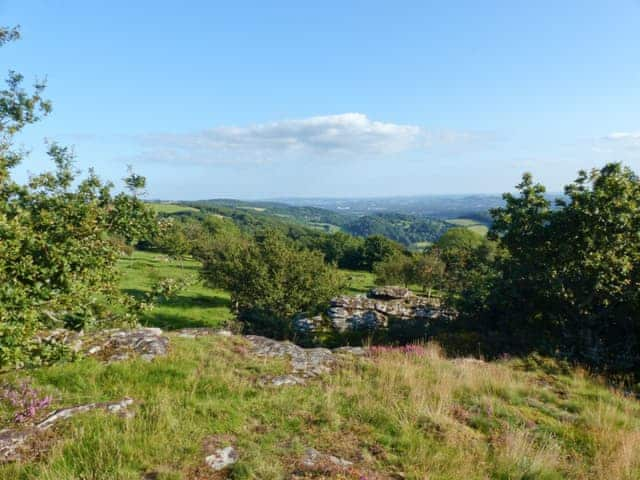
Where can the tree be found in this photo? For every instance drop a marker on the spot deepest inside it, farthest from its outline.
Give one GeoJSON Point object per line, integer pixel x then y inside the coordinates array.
{"type": "Point", "coordinates": [462, 251]}
{"type": "Point", "coordinates": [570, 281]}
{"type": "Point", "coordinates": [377, 248]}
{"type": "Point", "coordinates": [270, 280]}
{"type": "Point", "coordinates": [429, 270]}
{"type": "Point", "coordinates": [57, 254]}
{"type": "Point", "coordinates": [395, 269]}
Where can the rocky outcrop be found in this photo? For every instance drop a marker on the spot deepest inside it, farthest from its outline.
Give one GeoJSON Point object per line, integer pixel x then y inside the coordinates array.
{"type": "Point", "coordinates": [372, 312]}
{"type": "Point", "coordinates": [306, 363]}
{"type": "Point", "coordinates": [12, 441]}
{"type": "Point", "coordinates": [113, 345]}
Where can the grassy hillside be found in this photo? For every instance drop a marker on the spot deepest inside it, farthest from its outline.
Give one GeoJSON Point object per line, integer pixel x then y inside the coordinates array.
{"type": "Point", "coordinates": [396, 414]}
{"type": "Point", "coordinates": [471, 224]}
{"type": "Point", "coordinates": [410, 416]}
{"type": "Point", "coordinates": [170, 208]}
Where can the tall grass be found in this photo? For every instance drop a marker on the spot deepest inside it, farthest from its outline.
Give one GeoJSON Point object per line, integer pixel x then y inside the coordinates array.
{"type": "Point", "coordinates": [419, 415]}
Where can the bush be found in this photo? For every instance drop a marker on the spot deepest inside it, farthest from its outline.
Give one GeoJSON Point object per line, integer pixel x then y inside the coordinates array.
{"type": "Point", "coordinates": [270, 280]}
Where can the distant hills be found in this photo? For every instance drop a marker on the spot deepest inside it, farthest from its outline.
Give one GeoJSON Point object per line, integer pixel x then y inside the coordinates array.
{"type": "Point", "coordinates": [412, 221]}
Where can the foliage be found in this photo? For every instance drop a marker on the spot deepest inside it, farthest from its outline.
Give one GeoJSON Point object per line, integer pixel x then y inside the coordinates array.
{"type": "Point", "coordinates": [58, 254]}
{"type": "Point", "coordinates": [570, 281]}
{"type": "Point", "coordinates": [24, 400]}
{"type": "Point", "coordinates": [402, 228]}
{"type": "Point", "coordinates": [270, 280]}
{"type": "Point", "coordinates": [397, 269]}
{"type": "Point", "coordinates": [428, 271]}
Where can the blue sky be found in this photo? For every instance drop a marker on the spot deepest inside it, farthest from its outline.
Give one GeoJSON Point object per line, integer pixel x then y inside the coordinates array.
{"type": "Point", "coordinates": [266, 99]}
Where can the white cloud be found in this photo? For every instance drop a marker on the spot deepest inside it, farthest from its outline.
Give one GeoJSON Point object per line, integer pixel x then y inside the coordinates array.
{"type": "Point", "coordinates": [623, 136]}
{"type": "Point", "coordinates": [332, 136]}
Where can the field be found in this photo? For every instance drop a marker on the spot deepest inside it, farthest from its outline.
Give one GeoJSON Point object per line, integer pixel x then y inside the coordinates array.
{"type": "Point", "coordinates": [171, 208]}
{"type": "Point", "coordinates": [410, 416]}
{"type": "Point", "coordinates": [404, 414]}
{"type": "Point", "coordinates": [472, 225]}
{"type": "Point", "coordinates": [196, 306]}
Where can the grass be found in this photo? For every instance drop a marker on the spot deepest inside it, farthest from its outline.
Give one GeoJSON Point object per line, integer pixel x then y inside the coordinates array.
{"type": "Point", "coordinates": [472, 225]}
{"type": "Point", "coordinates": [416, 416]}
{"type": "Point", "coordinates": [171, 208]}
{"type": "Point", "coordinates": [196, 306]}
{"type": "Point", "coordinates": [358, 281]}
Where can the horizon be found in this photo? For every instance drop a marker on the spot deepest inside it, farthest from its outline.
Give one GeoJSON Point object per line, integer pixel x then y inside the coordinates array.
{"type": "Point", "coordinates": [335, 101]}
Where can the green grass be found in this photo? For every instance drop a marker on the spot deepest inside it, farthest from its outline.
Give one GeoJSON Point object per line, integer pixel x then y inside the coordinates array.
{"type": "Point", "coordinates": [472, 225]}
{"type": "Point", "coordinates": [196, 306]}
{"type": "Point", "coordinates": [171, 208]}
{"type": "Point", "coordinates": [426, 417]}
{"type": "Point", "coordinates": [412, 417]}
{"type": "Point", "coordinates": [358, 282]}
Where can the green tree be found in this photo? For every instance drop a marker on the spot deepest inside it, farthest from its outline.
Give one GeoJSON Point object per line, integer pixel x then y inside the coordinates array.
{"type": "Point", "coordinates": [377, 248]}
{"type": "Point", "coordinates": [270, 280]}
{"type": "Point", "coordinates": [57, 254]}
{"type": "Point", "coordinates": [428, 271]}
{"type": "Point", "coordinates": [570, 281]}
{"type": "Point", "coordinates": [395, 269]}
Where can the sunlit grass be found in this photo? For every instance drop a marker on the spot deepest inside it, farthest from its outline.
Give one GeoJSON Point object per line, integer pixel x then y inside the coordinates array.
{"type": "Point", "coordinates": [419, 414]}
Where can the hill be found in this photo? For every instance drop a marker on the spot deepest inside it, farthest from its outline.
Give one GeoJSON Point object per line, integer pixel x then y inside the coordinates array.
{"type": "Point", "coordinates": [403, 228]}
{"type": "Point", "coordinates": [394, 413]}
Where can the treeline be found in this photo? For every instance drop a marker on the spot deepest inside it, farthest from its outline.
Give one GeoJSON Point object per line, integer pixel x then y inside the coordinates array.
{"type": "Point", "coordinates": [185, 234]}
{"type": "Point", "coordinates": [405, 229]}
{"type": "Point", "coordinates": [402, 228]}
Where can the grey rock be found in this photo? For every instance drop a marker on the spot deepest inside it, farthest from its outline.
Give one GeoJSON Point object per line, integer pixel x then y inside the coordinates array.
{"type": "Point", "coordinates": [373, 312]}
{"type": "Point", "coordinates": [222, 458]}
{"type": "Point", "coordinates": [314, 458]}
{"type": "Point", "coordinates": [355, 351]}
{"type": "Point", "coordinates": [390, 292]}
{"type": "Point", "coordinates": [305, 363]}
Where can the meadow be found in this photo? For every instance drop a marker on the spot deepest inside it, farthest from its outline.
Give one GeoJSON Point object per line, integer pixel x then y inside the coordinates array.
{"type": "Point", "coordinates": [408, 413]}
{"type": "Point", "coordinates": [403, 415]}
{"type": "Point", "coordinates": [473, 225]}
{"type": "Point", "coordinates": [197, 305]}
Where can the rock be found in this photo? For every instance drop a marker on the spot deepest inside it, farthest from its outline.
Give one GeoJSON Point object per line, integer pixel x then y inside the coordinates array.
{"type": "Point", "coordinates": [147, 343]}
{"type": "Point", "coordinates": [305, 362]}
{"type": "Point", "coordinates": [375, 312]}
{"type": "Point", "coordinates": [202, 332]}
{"type": "Point", "coordinates": [307, 325]}
{"type": "Point", "coordinates": [222, 458]}
{"type": "Point", "coordinates": [390, 293]}
{"type": "Point", "coordinates": [356, 351]}
{"type": "Point", "coordinates": [112, 345]}
{"type": "Point", "coordinates": [313, 459]}
{"type": "Point", "coordinates": [11, 440]}
{"type": "Point", "coordinates": [287, 380]}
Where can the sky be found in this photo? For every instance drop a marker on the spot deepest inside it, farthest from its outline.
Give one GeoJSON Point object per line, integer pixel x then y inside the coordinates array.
{"type": "Point", "coordinates": [272, 99]}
